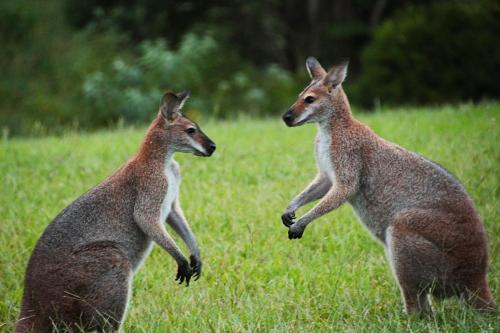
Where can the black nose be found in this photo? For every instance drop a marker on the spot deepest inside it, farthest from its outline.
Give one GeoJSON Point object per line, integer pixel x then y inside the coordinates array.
{"type": "Point", "coordinates": [211, 148]}
{"type": "Point", "coordinates": [287, 116]}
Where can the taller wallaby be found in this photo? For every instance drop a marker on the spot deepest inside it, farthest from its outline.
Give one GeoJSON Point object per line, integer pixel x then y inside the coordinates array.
{"type": "Point", "coordinates": [80, 272]}
{"type": "Point", "coordinates": [433, 236]}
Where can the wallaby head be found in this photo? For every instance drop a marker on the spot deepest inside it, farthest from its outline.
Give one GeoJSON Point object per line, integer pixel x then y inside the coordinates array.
{"type": "Point", "coordinates": [181, 133]}
{"type": "Point", "coordinates": [317, 101]}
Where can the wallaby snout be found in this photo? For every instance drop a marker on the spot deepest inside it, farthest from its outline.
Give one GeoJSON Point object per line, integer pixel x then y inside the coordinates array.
{"type": "Point", "coordinates": [209, 147]}
{"type": "Point", "coordinates": [201, 144]}
{"type": "Point", "coordinates": [288, 117]}
{"type": "Point", "coordinates": [296, 116]}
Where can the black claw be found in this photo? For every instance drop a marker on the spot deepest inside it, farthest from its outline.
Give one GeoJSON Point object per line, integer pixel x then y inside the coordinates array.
{"type": "Point", "coordinates": [295, 234]}
{"type": "Point", "coordinates": [287, 219]}
{"type": "Point", "coordinates": [184, 273]}
{"type": "Point", "coordinates": [196, 266]}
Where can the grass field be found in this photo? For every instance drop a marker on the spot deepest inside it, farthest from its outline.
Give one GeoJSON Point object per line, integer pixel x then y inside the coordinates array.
{"type": "Point", "coordinates": [335, 279]}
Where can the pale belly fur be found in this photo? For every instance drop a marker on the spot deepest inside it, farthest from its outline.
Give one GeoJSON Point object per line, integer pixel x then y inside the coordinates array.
{"type": "Point", "coordinates": [324, 162]}
{"type": "Point", "coordinates": [173, 183]}
{"type": "Point", "coordinates": [323, 157]}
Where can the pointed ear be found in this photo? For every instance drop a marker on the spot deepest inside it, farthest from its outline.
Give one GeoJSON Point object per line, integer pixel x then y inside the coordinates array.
{"type": "Point", "coordinates": [183, 96]}
{"type": "Point", "coordinates": [336, 75]}
{"type": "Point", "coordinates": [314, 68]}
{"type": "Point", "coordinates": [170, 106]}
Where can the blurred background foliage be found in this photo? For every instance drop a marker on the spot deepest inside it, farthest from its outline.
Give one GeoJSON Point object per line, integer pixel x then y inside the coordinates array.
{"type": "Point", "coordinates": [92, 64]}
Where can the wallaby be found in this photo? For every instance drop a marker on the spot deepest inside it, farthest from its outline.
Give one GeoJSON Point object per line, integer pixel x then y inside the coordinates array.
{"type": "Point", "coordinates": [433, 236]}
{"type": "Point", "coordinates": [80, 272]}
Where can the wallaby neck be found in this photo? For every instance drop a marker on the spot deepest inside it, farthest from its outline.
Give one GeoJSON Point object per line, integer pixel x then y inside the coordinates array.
{"type": "Point", "coordinates": [169, 157]}
{"type": "Point", "coordinates": [340, 116]}
{"type": "Point", "coordinates": [155, 148]}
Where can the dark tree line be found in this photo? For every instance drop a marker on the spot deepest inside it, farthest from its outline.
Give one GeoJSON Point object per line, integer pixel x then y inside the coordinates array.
{"type": "Point", "coordinates": [265, 31]}
{"type": "Point", "coordinates": [110, 59]}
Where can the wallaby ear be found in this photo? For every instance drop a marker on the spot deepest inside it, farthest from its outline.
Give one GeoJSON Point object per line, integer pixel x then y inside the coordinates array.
{"type": "Point", "coordinates": [170, 105]}
{"type": "Point", "coordinates": [183, 96]}
{"type": "Point", "coordinates": [336, 75]}
{"type": "Point", "coordinates": [314, 68]}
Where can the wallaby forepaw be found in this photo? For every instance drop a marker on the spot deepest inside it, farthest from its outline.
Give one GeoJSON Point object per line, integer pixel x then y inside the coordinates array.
{"type": "Point", "coordinates": [288, 218]}
{"type": "Point", "coordinates": [184, 273]}
{"type": "Point", "coordinates": [295, 231]}
{"type": "Point", "coordinates": [195, 266]}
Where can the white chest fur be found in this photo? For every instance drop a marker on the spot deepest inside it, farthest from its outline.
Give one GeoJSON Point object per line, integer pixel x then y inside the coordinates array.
{"type": "Point", "coordinates": [173, 182]}
{"type": "Point", "coordinates": [323, 153]}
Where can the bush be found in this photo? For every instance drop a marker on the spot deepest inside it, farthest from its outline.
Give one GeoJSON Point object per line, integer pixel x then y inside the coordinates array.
{"type": "Point", "coordinates": [221, 84]}
{"type": "Point", "coordinates": [443, 53]}
{"type": "Point", "coordinates": [42, 65]}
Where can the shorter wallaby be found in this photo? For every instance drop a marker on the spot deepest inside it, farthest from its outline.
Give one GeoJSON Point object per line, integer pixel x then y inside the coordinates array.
{"type": "Point", "coordinates": [433, 236]}
{"type": "Point", "coordinates": [80, 273]}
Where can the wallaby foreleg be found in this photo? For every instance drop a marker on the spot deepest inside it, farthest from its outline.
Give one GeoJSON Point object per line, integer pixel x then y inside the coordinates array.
{"type": "Point", "coordinates": [314, 191]}
{"type": "Point", "coordinates": [346, 184]}
{"type": "Point", "coordinates": [180, 225]}
{"type": "Point", "coordinates": [147, 217]}
{"type": "Point", "coordinates": [332, 200]}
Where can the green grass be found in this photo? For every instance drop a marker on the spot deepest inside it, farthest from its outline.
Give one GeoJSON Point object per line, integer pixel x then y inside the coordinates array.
{"type": "Point", "coordinates": [255, 280]}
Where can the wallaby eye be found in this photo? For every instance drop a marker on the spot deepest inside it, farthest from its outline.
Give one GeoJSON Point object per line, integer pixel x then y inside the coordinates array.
{"type": "Point", "coordinates": [191, 130]}
{"type": "Point", "coordinates": [309, 99]}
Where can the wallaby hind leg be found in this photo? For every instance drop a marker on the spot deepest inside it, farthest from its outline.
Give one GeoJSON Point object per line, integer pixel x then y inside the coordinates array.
{"type": "Point", "coordinates": [441, 252]}
{"type": "Point", "coordinates": [416, 264]}
{"type": "Point", "coordinates": [105, 275]}
{"type": "Point", "coordinates": [104, 306]}
{"type": "Point", "coordinates": [111, 308]}
{"type": "Point", "coordinates": [82, 290]}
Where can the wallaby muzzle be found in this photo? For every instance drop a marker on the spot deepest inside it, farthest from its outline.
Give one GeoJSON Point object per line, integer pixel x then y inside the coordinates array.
{"type": "Point", "coordinates": [208, 145]}
{"type": "Point", "coordinates": [288, 118]}
{"type": "Point", "coordinates": [211, 148]}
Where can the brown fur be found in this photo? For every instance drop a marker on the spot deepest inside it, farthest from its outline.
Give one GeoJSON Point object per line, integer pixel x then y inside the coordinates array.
{"type": "Point", "coordinates": [79, 274]}
{"type": "Point", "coordinates": [434, 239]}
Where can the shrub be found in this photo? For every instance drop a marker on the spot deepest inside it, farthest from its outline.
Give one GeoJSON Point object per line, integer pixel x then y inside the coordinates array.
{"type": "Point", "coordinates": [221, 84]}
{"type": "Point", "coordinates": [441, 53]}
{"type": "Point", "coordinates": [42, 65]}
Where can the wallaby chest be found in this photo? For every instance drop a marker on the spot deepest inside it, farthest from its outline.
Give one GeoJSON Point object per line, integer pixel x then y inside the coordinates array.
{"type": "Point", "coordinates": [323, 153]}
{"type": "Point", "coordinates": [172, 175]}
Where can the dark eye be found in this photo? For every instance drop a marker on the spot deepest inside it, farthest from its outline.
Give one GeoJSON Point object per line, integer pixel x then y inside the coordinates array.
{"type": "Point", "coordinates": [191, 130]}
{"type": "Point", "coordinates": [308, 99]}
